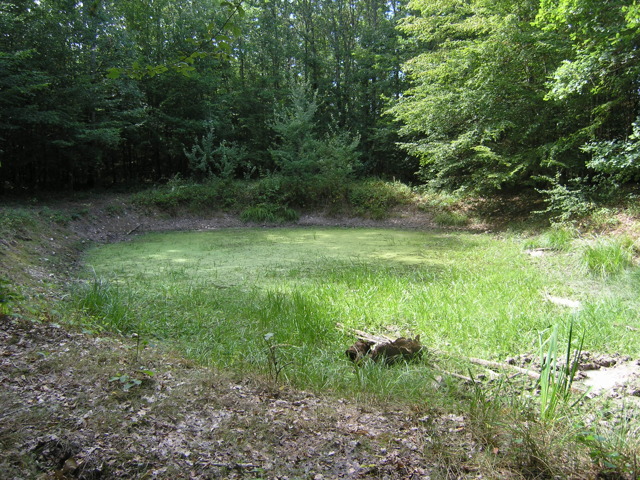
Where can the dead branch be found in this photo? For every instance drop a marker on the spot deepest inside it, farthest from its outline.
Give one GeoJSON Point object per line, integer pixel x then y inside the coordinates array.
{"type": "Point", "coordinates": [455, 375]}
{"type": "Point", "coordinates": [134, 229]}
{"type": "Point", "coordinates": [368, 337]}
{"type": "Point", "coordinates": [504, 366]}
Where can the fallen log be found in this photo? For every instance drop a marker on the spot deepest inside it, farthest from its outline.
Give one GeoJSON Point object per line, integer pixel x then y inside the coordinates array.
{"type": "Point", "coordinates": [381, 348]}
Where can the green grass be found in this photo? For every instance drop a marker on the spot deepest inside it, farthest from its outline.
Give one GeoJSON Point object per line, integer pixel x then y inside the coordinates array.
{"type": "Point", "coordinates": [217, 294]}
{"type": "Point", "coordinates": [611, 256]}
{"type": "Point", "coordinates": [14, 220]}
{"type": "Point", "coordinates": [269, 213]}
{"type": "Point", "coordinates": [451, 219]}
{"type": "Point", "coordinates": [558, 237]}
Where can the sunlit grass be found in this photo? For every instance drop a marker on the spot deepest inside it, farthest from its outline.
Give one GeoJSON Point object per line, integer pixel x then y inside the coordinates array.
{"type": "Point", "coordinates": [259, 301]}
{"type": "Point", "coordinates": [216, 294]}
{"type": "Point", "coordinates": [606, 257]}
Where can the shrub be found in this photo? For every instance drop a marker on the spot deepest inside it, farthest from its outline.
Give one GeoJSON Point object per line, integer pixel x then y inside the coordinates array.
{"type": "Point", "coordinates": [566, 202]}
{"type": "Point", "coordinates": [269, 213]}
{"type": "Point", "coordinates": [214, 194]}
{"type": "Point", "coordinates": [375, 198]}
{"type": "Point", "coordinates": [617, 158]}
{"type": "Point", "coordinates": [207, 160]}
{"type": "Point", "coordinates": [310, 165]}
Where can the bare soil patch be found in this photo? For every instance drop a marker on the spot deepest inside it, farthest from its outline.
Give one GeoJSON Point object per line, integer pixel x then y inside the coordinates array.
{"type": "Point", "coordinates": [66, 414]}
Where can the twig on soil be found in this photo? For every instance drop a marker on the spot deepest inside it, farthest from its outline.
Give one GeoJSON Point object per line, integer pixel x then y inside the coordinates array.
{"type": "Point", "coordinates": [455, 375]}
{"type": "Point", "coordinates": [134, 229]}
{"type": "Point", "coordinates": [233, 465]}
{"type": "Point", "coordinates": [504, 366]}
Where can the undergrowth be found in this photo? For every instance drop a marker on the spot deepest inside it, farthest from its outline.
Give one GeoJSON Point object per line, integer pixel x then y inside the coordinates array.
{"type": "Point", "coordinates": [275, 198]}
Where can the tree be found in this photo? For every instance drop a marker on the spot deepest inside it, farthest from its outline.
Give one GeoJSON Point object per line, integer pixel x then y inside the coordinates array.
{"type": "Point", "coordinates": [310, 164]}
{"type": "Point", "coordinates": [601, 73]}
{"type": "Point", "coordinates": [476, 115]}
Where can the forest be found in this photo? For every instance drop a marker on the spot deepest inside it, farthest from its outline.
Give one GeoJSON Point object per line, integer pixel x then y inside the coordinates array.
{"type": "Point", "coordinates": [154, 322]}
{"type": "Point", "coordinates": [462, 95]}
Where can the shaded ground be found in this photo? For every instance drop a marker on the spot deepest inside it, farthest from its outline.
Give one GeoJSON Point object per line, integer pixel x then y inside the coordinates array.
{"type": "Point", "coordinates": [72, 408]}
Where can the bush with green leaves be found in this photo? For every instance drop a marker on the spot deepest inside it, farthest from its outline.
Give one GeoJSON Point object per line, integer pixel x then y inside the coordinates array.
{"type": "Point", "coordinates": [310, 165]}
{"type": "Point", "coordinates": [566, 202]}
{"type": "Point", "coordinates": [210, 195]}
{"type": "Point", "coordinates": [375, 198]}
{"type": "Point", "coordinates": [619, 159]}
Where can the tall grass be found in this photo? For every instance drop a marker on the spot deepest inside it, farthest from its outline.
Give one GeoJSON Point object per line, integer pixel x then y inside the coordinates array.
{"type": "Point", "coordinates": [556, 377]}
{"type": "Point", "coordinates": [558, 237]}
{"type": "Point", "coordinates": [218, 297]}
{"type": "Point", "coordinates": [107, 305]}
{"type": "Point", "coordinates": [217, 294]}
{"type": "Point", "coordinates": [610, 256]}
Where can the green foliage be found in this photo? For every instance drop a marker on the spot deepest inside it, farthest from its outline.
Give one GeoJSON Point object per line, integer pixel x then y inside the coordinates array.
{"type": "Point", "coordinates": [376, 198]}
{"type": "Point", "coordinates": [272, 198]}
{"type": "Point", "coordinates": [215, 194]}
{"type": "Point", "coordinates": [618, 159]}
{"type": "Point", "coordinates": [13, 220]}
{"type": "Point", "coordinates": [599, 76]}
{"type": "Point", "coordinates": [135, 380]}
{"type": "Point", "coordinates": [566, 202]}
{"type": "Point", "coordinates": [451, 219]}
{"type": "Point", "coordinates": [559, 237]}
{"type": "Point", "coordinates": [269, 213]}
{"type": "Point", "coordinates": [310, 166]}
{"type": "Point", "coordinates": [469, 116]}
{"type": "Point", "coordinates": [107, 305]}
{"type": "Point", "coordinates": [608, 256]}
{"type": "Point", "coordinates": [8, 297]}
{"type": "Point", "coordinates": [556, 376]}
{"type": "Point", "coordinates": [615, 452]}
{"type": "Point", "coordinates": [207, 160]}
